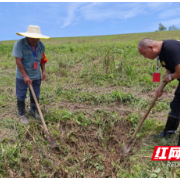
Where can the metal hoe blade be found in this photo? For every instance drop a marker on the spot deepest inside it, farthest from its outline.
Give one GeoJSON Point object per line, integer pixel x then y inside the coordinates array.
{"type": "Point", "coordinates": [51, 140]}
{"type": "Point", "coordinates": [126, 148]}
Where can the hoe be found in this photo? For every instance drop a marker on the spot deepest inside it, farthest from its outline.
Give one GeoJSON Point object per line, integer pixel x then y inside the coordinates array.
{"type": "Point", "coordinates": [127, 147]}
{"type": "Point", "coordinates": [50, 139]}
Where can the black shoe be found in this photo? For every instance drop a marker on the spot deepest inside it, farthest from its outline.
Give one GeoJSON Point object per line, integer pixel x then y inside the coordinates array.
{"type": "Point", "coordinates": [165, 134]}
{"type": "Point", "coordinates": [21, 112]}
{"type": "Point", "coordinates": [171, 126]}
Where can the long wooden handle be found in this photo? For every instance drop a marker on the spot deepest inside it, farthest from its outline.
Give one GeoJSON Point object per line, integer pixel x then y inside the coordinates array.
{"type": "Point", "coordinates": [162, 85]}
{"type": "Point", "coordinates": [39, 110]}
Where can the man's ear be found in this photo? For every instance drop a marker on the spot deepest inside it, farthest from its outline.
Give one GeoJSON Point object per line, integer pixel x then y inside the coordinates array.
{"type": "Point", "coordinates": [151, 47]}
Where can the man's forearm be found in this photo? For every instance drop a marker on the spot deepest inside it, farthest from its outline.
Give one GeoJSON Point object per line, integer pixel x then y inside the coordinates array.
{"type": "Point", "coordinates": [168, 72]}
{"type": "Point", "coordinates": [43, 67]}
{"type": "Point", "coordinates": [21, 68]}
{"type": "Point", "coordinates": [175, 76]}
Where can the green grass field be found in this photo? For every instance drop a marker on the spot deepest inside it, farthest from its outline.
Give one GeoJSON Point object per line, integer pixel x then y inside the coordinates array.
{"type": "Point", "coordinates": [97, 90]}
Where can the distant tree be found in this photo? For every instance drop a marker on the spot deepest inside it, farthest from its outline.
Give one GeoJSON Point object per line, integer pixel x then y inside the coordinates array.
{"type": "Point", "coordinates": [161, 27]}
{"type": "Point", "coordinates": [173, 28]}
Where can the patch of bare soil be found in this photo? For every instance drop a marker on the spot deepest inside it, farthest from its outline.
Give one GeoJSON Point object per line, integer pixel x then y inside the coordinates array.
{"type": "Point", "coordinates": [7, 134]}
{"type": "Point", "coordinates": [97, 90]}
{"type": "Point", "coordinates": [160, 116]}
{"type": "Point", "coordinates": [166, 95]}
{"type": "Point", "coordinates": [92, 151]}
{"type": "Point", "coordinates": [77, 68]}
{"type": "Point", "coordinates": [89, 109]}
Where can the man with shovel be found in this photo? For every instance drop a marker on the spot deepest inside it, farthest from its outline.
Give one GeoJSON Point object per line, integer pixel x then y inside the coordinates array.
{"type": "Point", "coordinates": [28, 53]}
{"type": "Point", "coordinates": [168, 52]}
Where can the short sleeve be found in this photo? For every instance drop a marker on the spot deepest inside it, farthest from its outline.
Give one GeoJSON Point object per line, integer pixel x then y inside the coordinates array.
{"type": "Point", "coordinates": [172, 54]}
{"type": "Point", "coordinates": [43, 47]}
{"type": "Point", "coordinates": [17, 50]}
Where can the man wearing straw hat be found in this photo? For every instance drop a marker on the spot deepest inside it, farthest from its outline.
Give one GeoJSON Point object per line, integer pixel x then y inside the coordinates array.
{"type": "Point", "coordinates": [28, 53]}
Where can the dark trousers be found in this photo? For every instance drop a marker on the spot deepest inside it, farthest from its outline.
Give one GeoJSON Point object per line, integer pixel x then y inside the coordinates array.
{"type": "Point", "coordinates": [21, 88]}
{"type": "Point", "coordinates": [175, 104]}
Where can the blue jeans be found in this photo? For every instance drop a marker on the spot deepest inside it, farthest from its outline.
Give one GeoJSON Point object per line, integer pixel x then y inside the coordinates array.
{"type": "Point", "coordinates": [175, 104]}
{"type": "Point", "coordinates": [21, 88]}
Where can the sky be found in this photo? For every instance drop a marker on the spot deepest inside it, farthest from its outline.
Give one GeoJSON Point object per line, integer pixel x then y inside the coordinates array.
{"type": "Point", "coordinates": [70, 19]}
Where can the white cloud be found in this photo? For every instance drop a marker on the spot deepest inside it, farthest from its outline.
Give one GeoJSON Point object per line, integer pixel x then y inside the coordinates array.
{"type": "Point", "coordinates": [71, 18]}
{"type": "Point", "coordinates": [98, 11]}
{"type": "Point", "coordinates": [101, 11]}
{"type": "Point", "coordinates": [66, 14]}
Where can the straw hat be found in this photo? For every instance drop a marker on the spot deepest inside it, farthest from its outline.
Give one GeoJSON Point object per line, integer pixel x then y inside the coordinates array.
{"type": "Point", "coordinates": [33, 32]}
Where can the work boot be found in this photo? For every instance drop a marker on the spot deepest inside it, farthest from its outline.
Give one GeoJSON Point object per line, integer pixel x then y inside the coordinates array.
{"type": "Point", "coordinates": [170, 128]}
{"type": "Point", "coordinates": [21, 111]}
{"type": "Point", "coordinates": [33, 108]}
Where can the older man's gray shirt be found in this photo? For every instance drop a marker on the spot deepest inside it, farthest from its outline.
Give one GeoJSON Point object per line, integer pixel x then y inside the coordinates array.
{"type": "Point", "coordinates": [23, 50]}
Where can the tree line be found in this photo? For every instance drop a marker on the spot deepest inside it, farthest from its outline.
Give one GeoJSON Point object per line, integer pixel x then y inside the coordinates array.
{"type": "Point", "coordinates": [163, 28]}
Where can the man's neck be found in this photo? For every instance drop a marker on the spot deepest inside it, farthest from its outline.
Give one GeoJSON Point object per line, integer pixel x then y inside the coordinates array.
{"type": "Point", "coordinates": [159, 46]}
